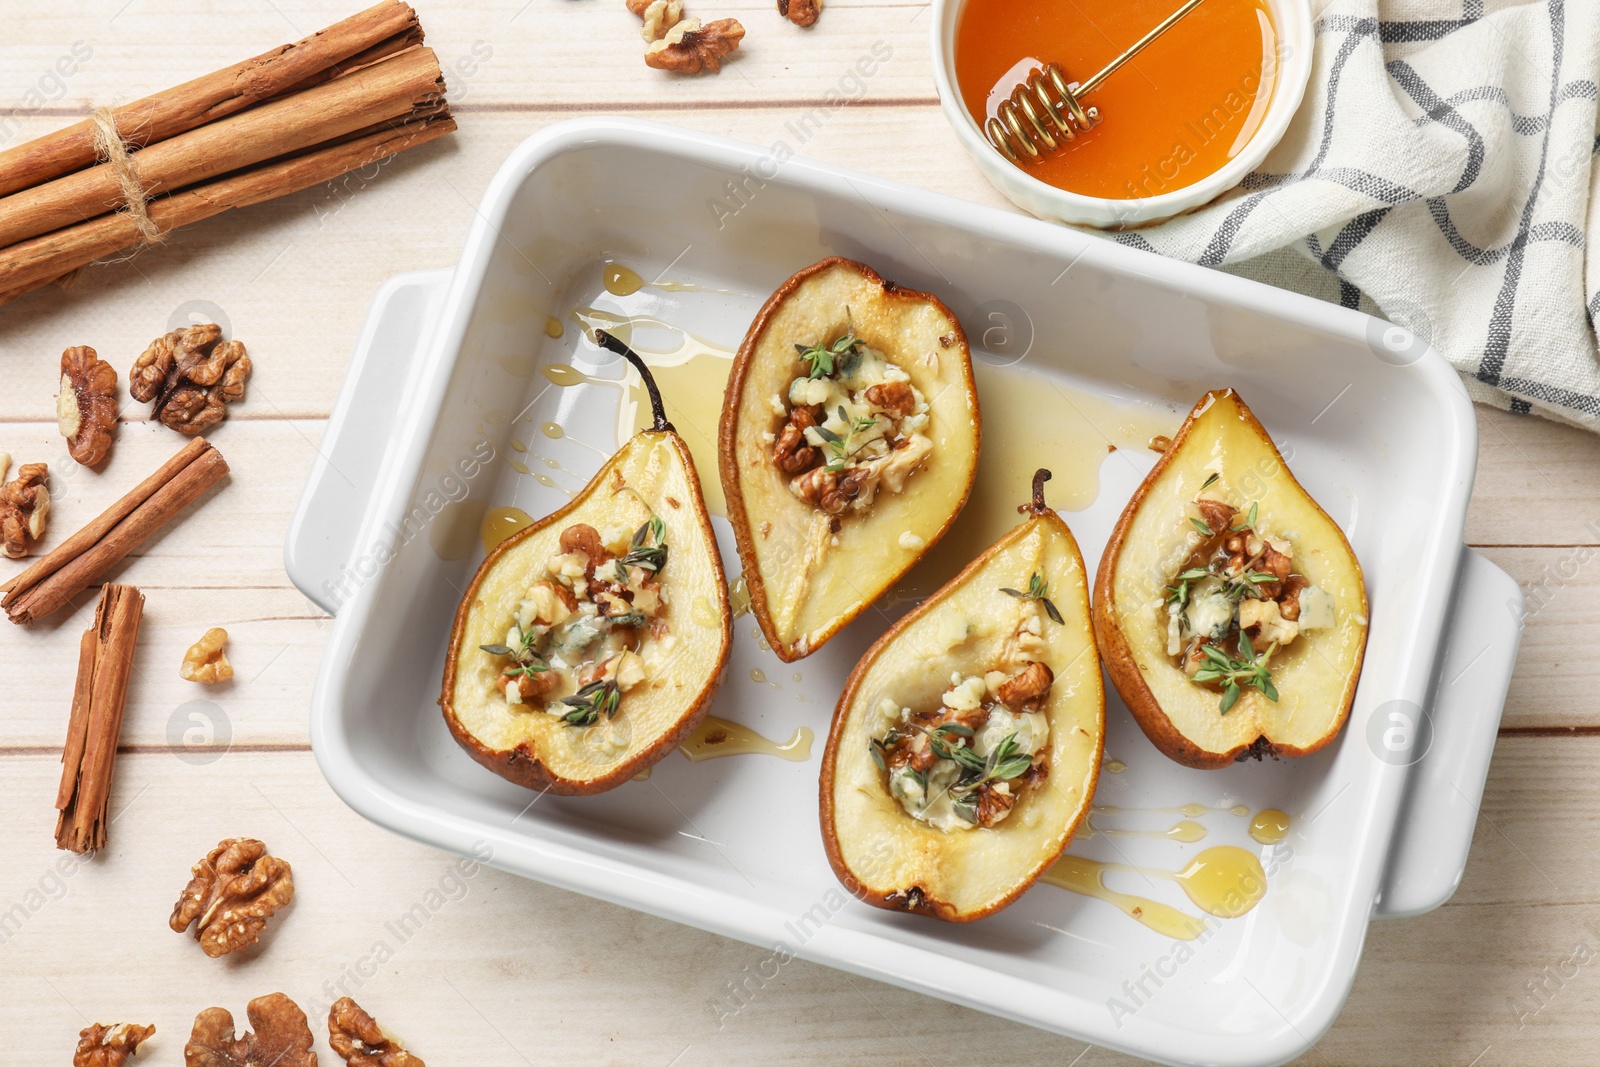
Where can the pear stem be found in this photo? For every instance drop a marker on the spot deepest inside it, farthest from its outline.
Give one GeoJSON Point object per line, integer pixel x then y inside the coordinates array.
{"type": "Point", "coordinates": [1037, 506]}
{"type": "Point", "coordinates": [613, 344]}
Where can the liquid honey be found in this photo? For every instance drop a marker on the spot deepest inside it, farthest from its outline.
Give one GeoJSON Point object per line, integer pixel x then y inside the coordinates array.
{"type": "Point", "coordinates": [1176, 113]}
{"type": "Point", "coordinates": [1187, 832]}
{"type": "Point", "coordinates": [1087, 878]}
{"type": "Point", "coordinates": [716, 737]}
{"type": "Point", "coordinates": [500, 524]}
{"type": "Point", "coordinates": [1224, 881]}
{"type": "Point", "coordinates": [1269, 826]}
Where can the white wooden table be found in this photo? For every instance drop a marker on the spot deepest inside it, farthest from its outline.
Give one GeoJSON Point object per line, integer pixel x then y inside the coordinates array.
{"type": "Point", "coordinates": [505, 970]}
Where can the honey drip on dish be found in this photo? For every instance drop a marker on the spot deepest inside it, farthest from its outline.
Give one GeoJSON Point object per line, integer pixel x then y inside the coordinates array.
{"type": "Point", "coordinates": [716, 737]}
{"type": "Point", "coordinates": [739, 597]}
{"type": "Point", "coordinates": [1187, 832]}
{"type": "Point", "coordinates": [501, 523]}
{"type": "Point", "coordinates": [1087, 878]}
{"type": "Point", "coordinates": [1225, 881]}
{"type": "Point", "coordinates": [553, 327]}
{"type": "Point", "coordinates": [621, 281]}
{"type": "Point", "coordinates": [1270, 826]}
{"type": "Point", "coordinates": [1188, 811]}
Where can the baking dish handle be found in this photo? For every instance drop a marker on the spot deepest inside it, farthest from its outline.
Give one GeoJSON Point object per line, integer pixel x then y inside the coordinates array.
{"type": "Point", "coordinates": [321, 541]}
{"type": "Point", "coordinates": [1434, 832]}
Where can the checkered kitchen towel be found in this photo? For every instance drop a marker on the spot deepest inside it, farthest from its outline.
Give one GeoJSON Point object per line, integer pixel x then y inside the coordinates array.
{"type": "Point", "coordinates": [1440, 173]}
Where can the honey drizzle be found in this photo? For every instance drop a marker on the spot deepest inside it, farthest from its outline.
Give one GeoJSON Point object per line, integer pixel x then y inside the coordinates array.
{"type": "Point", "coordinates": [500, 524]}
{"type": "Point", "coordinates": [716, 737]}
{"type": "Point", "coordinates": [1225, 881]}
{"type": "Point", "coordinates": [1270, 826]}
{"type": "Point", "coordinates": [1086, 877]}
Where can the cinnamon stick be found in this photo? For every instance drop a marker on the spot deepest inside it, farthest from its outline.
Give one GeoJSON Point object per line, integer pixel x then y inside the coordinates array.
{"type": "Point", "coordinates": [394, 87]}
{"type": "Point", "coordinates": [67, 570]}
{"type": "Point", "coordinates": [287, 68]}
{"type": "Point", "coordinates": [31, 264]}
{"type": "Point", "coordinates": [105, 664]}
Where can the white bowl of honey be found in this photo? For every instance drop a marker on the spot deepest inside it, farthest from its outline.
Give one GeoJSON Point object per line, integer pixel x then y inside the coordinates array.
{"type": "Point", "coordinates": [1178, 124]}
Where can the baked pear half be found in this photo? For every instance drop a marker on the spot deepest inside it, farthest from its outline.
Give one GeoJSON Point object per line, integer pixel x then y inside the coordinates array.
{"type": "Point", "coordinates": [848, 444]}
{"type": "Point", "coordinates": [966, 747]}
{"type": "Point", "coordinates": [589, 644]}
{"type": "Point", "coordinates": [1230, 608]}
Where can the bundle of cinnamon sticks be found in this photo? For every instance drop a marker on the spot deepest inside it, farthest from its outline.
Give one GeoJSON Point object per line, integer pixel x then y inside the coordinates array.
{"type": "Point", "coordinates": [305, 113]}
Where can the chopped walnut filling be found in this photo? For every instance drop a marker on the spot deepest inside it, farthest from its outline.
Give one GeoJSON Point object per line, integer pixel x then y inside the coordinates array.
{"type": "Point", "coordinates": [1237, 600]}
{"type": "Point", "coordinates": [852, 426]}
{"type": "Point", "coordinates": [967, 762]}
{"type": "Point", "coordinates": [574, 646]}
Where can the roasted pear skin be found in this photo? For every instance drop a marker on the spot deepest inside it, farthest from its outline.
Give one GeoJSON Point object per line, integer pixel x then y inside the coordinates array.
{"type": "Point", "coordinates": [888, 858]}
{"type": "Point", "coordinates": [803, 587]}
{"type": "Point", "coordinates": [651, 473]}
{"type": "Point", "coordinates": [1315, 676]}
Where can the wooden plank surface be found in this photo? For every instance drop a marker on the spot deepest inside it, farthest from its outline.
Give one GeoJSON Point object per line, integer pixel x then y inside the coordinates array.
{"type": "Point", "coordinates": [507, 970]}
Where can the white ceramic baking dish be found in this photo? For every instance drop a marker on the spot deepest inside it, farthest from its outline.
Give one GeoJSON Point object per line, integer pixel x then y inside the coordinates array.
{"type": "Point", "coordinates": [1381, 433]}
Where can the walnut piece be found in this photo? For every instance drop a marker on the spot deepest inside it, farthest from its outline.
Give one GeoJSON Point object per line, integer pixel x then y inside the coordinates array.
{"type": "Point", "coordinates": [800, 12]}
{"type": "Point", "coordinates": [830, 490]}
{"type": "Point", "coordinates": [206, 662]}
{"type": "Point", "coordinates": [233, 893]}
{"type": "Point", "coordinates": [190, 375]}
{"type": "Point", "coordinates": [1027, 688]}
{"type": "Point", "coordinates": [659, 16]}
{"type": "Point", "coordinates": [361, 1042]}
{"type": "Point", "coordinates": [86, 407]}
{"type": "Point", "coordinates": [24, 509]}
{"type": "Point", "coordinates": [689, 47]}
{"type": "Point", "coordinates": [109, 1046]}
{"type": "Point", "coordinates": [279, 1037]}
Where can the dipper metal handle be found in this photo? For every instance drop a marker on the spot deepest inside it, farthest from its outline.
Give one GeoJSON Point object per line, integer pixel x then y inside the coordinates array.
{"type": "Point", "coordinates": [1046, 110]}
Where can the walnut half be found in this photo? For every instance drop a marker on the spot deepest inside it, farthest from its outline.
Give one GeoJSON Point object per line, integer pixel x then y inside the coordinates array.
{"type": "Point", "coordinates": [109, 1046]}
{"type": "Point", "coordinates": [233, 892]}
{"type": "Point", "coordinates": [279, 1037]}
{"type": "Point", "coordinates": [659, 16]}
{"type": "Point", "coordinates": [24, 509]}
{"type": "Point", "coordinates": [689, 47]}
{"type": "Point", "coordinates": [86, 407]}
{"type": "Point", "coordinates": [361, 1042]}
{"type": "Point", "coordinates": [206, 662]}
{"type": "Point", "coordinates": [800, 12]}
{"type": "Point", "coordinates": [189, 376]}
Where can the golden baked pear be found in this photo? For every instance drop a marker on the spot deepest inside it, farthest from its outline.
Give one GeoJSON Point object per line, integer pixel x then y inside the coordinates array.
{"type": "Point", "coordinates": [1230, 608]}
{"type": "Point", "coordinates": [966, 747]}
{"type": "Point", "coordinates": [848, 444]}
{"type": "Point", "coordinates": [592, 642]}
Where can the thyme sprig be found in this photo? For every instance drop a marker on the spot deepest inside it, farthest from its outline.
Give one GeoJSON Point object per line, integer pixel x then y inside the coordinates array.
{"type": "Point", "coordinates": [648, 550]}
{"type": "Point", "coordinates": [1249, 522]}
{"type": "Point", "coordinates": [529, 662]}
{"type": "Point", "coordinates": [1179, 594]}
{"type": "Point", "coordinates": [839, 447]}
{"type": "Point", "coordinates": [1236, 671]}
{"type": "Point", "coordinates": [823, 359]}
{"type": "Point", "coordinates": [600, 697]}
{"type": "Point", "coordinates": [1037, 590]}
{"type": "Point", "coordinates": [1003, 763]}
